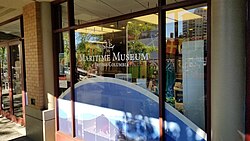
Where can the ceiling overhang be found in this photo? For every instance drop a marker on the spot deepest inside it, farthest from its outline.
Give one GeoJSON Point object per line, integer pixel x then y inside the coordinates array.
{"type": "Point", "coordinates": [12, 8]}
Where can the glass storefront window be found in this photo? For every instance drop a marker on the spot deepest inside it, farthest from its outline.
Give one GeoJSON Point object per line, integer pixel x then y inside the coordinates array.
{"type": "Point", "coordinates": [11, 30]}
{"type": "Point", "coordinates": [11, 79]}
{"type": "Point", "coordinates": [65, 116]}
{"type": "Point", "coordinates": [12, 86]}
{"type": "Point", "coordinates": [125, 50]}
{"type": "Point", "coordinates": [117, 82]}
{"type": "Point", "coordinates": [4, 79]}
{"type": "Point", "coordinates": [186, 51]}
{"type": "Point", "coordinates": [93, 10]}
{"type": "Point", "coordinates": [16, 79]}
{"type": "Point", "coordinates": [117, 73]}
{"type": "Point", "coordinates": [64, 15]}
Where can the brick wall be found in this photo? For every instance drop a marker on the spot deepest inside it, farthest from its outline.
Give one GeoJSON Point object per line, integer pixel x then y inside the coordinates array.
{"type": "Point", "coordinates": [34, 55]}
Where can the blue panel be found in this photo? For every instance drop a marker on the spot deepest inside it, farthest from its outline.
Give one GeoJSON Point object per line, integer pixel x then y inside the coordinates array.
{"type": "Point", "coordinates": [110, 109]}
{"type": "Point", "coordinates": [177, 130]}
{"type": "Point", "coordinates": [117, 97]}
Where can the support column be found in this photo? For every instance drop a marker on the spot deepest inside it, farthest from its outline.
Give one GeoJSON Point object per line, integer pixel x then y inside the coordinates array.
{"type": "Point", "coordinates": [47, 54]}
{"type": "Point", "coordinates": [40, 119]}
{"type": "Point", "coordinates": [48, 115]}
{"type": "Point", "coordinates": [228, 69]}
{"type": "Point", "coordinates": [34, 55]}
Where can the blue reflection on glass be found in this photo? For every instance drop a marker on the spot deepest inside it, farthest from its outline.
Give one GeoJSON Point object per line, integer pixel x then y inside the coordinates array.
{"type": "Point", "coordinates": [115, 110]}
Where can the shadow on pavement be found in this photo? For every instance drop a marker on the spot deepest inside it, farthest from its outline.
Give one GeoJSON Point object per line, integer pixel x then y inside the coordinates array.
{"type": "Point", "coordinates": [24, 138]}
{"type": "Point", "coordinates": [5, 133]}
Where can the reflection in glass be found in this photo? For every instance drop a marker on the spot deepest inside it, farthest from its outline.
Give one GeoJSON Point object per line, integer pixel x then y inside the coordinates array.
{"type": "Point", "coordinates": [10, 67]}
{"type": "Point", "coordinates": [186, 52]}
{"type": "Point", "coordinates": [4, 79]}
{"type": "Point", "coordinates": [117, 72]}
{"type": "Point", "coordinates": [11, 30]}
{"type": "Point", "coordinates": [113, 109]}
{"type": "Point", "coordinates": [124, 50]}
{"type": "Point", "coordinates": [116, 94]}
{"type": "Point", "coordinates": [93, 10]}
{"type": "Point", "coordinates": [16, 79]}
{"type": "Point", "coordinates": [64, 14]}
{"type": "Point", "coordinates": [65, 118]}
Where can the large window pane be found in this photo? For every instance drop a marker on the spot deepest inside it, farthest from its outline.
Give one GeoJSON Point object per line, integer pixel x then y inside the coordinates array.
{"type": "Point", "coordinates": [186, 51]}
{"type": "Point", "coordinates": [10, 65]}
{"type": "Point", "coordinates": [4, 79]}
{"type": "Point", "coordinates": [117, 90]}
{"type": "Point", "coordinates": [93, 10]}
{"type": "Point", "coordinates": [10, 31]}
{"type": "Point", "coordinates": [16, 79]}
{"type": "Point", "coordinates": [64, 104]}
{"type": "Point", "coordinates": [64, 15]}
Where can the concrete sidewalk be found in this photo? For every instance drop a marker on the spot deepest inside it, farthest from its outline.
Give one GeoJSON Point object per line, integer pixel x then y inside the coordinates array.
{"type": "Point", "coordinates": [10, 131]}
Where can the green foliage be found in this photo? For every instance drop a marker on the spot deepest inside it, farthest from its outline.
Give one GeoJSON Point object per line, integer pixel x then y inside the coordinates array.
{"type": "Point", "coordinates": [135, 31]}
{"type": "Point", "coordinates": [66, 58]}
{"type": "Point", "coordinates": [139, 47]}
{"type": "Point", "coordinates": [3, 55]}
{"type": "Point", "coordinates": [171, 101]}
{"type": "Point", "coordinates": [2, 52]}
{"type": "Point", "coordinates": [87, 48]}
{"type": "Point", "coordinates": [136, 28]}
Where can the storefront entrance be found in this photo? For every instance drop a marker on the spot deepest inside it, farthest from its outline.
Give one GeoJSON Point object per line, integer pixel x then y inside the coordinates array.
{"type": "Point", "coordinates": [11, 93]}
{"type": "Point", "coordinates": [134, 77]}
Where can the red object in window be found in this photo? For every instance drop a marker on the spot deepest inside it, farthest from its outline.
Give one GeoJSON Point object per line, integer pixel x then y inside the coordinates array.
{"type": "Point", "coordinates": [62, 78]}
{"type": "Point", "coordinates": [171, 46]}
{"type": "Point", "coordinates": [247, 137]}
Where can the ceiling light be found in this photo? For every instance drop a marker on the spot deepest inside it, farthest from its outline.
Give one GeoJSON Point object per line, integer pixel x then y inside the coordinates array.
{"type": "Point", "coordinates": [97, 30]}
{"type": "Point", "coordinates": [171, 16]}
{"type": "Point", "coordinates": [205, 7]}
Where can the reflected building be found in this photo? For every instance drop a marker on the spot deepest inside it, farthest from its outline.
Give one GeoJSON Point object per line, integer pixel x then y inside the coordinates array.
{"type": "Point", "coordinates": [196, 29]}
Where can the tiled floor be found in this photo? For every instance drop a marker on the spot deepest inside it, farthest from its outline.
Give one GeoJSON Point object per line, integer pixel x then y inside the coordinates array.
{"type": "Point", "coordinates": [10, 131]}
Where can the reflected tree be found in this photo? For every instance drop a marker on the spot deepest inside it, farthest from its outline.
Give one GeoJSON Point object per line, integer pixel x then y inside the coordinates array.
{"type": "Point", "coordinates": [3, 60]}
{"type": "Point", "coordinates": [141, 35]}
{"type": "Point", "coordinates": [136, 128]}
{"type": "Point", "coordinates": [138, 31]}
{"type": "Point", "coordinates": [89, 44]}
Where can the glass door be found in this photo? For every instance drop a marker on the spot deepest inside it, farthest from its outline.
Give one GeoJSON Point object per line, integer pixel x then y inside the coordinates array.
{"type": "Point", "coordinates": [11, 76]}
{"type": "Point", "coordinates": [5, 100]}
{"type": "Point", "coordinates": [16, 79]}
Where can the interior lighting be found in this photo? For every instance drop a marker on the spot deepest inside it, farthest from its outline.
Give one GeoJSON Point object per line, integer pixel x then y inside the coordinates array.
{"type": "Point", "coordinates": [97, 30]}
{"type": "Point", "coordinates": [171, 16]}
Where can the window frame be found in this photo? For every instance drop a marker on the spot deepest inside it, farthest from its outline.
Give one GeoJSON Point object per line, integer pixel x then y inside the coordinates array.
{"type": "Point", "coordinates": [161, 10]}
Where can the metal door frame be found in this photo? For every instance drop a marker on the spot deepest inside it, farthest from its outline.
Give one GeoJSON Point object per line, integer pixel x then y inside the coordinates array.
{"type": "Point", "coordinates": [10, 114]}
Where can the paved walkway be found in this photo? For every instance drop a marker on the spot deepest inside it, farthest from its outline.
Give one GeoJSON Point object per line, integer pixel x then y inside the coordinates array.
{"type": "Point", "coordinates": [10, 131]}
